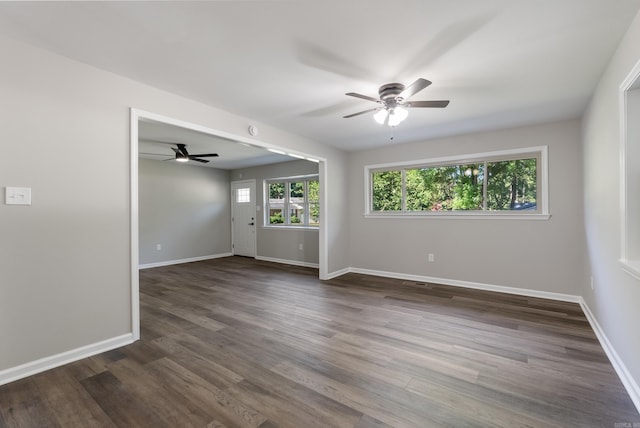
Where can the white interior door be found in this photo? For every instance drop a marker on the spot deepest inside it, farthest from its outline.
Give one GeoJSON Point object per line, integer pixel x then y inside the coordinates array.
{"type": "Point", "coordinates": [243, 217]}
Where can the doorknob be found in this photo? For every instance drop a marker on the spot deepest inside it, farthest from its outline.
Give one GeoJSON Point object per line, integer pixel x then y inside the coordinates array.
{"type": "Point", "coordinates": [251, 224]}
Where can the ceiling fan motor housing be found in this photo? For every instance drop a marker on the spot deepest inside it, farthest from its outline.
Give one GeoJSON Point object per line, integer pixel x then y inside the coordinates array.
{"type": "Point", "coordinates": [390, 90]}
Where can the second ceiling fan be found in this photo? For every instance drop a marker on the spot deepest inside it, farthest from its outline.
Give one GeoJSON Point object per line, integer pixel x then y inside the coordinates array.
{"type": "Point", "coordinates": [182, 155]}
{"type": "Point", "coordinates": [394, 102]}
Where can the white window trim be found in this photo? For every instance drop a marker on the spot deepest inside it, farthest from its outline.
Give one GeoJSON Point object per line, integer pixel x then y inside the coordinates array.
{"type": "Point", "coordinates": [630, 266]}
{"type": "Point", "coordinates": [265, 189]}
{"type": "Point", "coordinates": [543, 191]}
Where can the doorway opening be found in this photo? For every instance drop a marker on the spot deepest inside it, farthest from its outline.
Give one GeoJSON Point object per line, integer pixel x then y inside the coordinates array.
{"type": "Point", "coordinates": [138, 116]}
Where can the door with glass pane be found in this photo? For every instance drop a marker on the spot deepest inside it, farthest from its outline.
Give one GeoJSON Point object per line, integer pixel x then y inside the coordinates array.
{"type": "Point", "coordinates": [243, 217]}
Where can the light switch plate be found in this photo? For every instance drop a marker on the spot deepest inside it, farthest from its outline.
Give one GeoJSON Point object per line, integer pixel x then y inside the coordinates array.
{"type": "Point", "coordinates": [17, 195]}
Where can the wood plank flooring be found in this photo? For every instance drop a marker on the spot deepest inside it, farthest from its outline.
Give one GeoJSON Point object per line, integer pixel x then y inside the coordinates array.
{"type": "Point", "coordinates": [236, 342]}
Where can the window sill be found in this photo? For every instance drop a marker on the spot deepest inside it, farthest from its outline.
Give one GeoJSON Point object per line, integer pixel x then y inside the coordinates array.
{"type": "Point", "coordinates": [632, 267]}
{"type": "Point", "coordinates": [290, 227]}
{"type": "Point", "coordinates": [462, 215]}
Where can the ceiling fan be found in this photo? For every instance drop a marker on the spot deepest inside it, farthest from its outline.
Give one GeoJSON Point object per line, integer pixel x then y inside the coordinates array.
{"type": "Point", "coordinates": [394, 102]}
{"type": "Point", "coordinates": [182, 155]}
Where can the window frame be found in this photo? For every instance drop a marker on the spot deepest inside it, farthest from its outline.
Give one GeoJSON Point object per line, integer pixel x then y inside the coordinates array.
{"type": "Point", "coordinates": [286, 209]}
{"type": "Point", "coordinates": [542, 199]}
{"type": "Point", "coordinates": [629, 183]}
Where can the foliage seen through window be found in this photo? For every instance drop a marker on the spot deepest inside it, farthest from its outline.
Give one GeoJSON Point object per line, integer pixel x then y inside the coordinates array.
{"type": "Point", "coordinates": [500, 185]}
{"type": "Point", "coordinates": [294, 202]}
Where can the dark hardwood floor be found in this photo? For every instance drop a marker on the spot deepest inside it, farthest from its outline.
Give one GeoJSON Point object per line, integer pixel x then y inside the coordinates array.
{"type": "Point", "coordinates": [236, 342]}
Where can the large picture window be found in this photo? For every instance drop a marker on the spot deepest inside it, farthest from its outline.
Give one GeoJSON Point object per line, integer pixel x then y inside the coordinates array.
{"type": "Point", "coordinates": [292, 201]}
{"type": "Point", "coordinates": [493, 184]}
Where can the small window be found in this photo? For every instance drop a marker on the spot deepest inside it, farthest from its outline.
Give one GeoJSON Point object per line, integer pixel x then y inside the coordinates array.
{"type": "Point", "coordinates": [293, 202]}
{"type": "Point", "coordinates": [243, 196]}
{"type": "Point", "coordinates": [508, 182]}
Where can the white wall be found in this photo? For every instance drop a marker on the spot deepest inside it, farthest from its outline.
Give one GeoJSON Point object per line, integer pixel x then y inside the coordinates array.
{"type": "Point", "coordinates": [65, 260]}
{"type": "Point", "coordinates": [544, 255]}
{"type": "Point", "coordinates": [278, 243]}
{"type": "Point", "coordinates": [337, 205]}
{"type": "Point", "coordinates": [633, 173]}
{"type": "Point", "coordinates": [184, 208]}
{"type": "Point", "coordinates": [616, 298]}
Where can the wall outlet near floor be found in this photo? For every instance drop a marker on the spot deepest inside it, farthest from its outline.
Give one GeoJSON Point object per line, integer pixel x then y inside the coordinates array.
{"type": "Point", "coordinates": [159, 247]}
{"type": "Point", "coordinates": [300, 247]}
{"type": "Point", "coordinates": [431, 257]}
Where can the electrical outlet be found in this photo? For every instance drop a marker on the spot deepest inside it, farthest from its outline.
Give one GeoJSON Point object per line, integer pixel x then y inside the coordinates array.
{"type": "Point", "coordinates": [17, 195]}
{"type": "Point", "coordinates": [431, 257]}
{"type": "Point", "coordinates": [592, 286]}
{"type": "Point", "coordinates": [300, 247]}
{"type": "Point", "coordinates": [159, 247]}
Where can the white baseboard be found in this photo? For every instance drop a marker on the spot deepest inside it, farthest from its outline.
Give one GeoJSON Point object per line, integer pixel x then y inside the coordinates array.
{"type": "Point", "coordinates": [338, 273]}
{"type": "Point", "coordinates": [288, 262]}
{"type": "Point", "coordinates": [53, 361]}
{"type": "Point", "coordinates": [627, 380]}
{"type": "Point", "coordinates": [468, 284]}
{"type": "Point", "coordinates": [179, 261]}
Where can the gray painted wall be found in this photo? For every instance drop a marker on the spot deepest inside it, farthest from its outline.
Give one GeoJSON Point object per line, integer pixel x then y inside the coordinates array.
{"type": "Point", "coordinates": [280, 243]}
{"type": "Point", "coordinates": [186, 209]}
{"type": "Point", "coordinates": [65, 261]}
{"type": "Point", "coordinates": [616, 296]}
{"type": "Point", "coordinates": [545, 255]}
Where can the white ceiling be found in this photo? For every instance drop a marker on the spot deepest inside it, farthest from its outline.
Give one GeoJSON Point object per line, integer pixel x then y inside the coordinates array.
{"type": "Point", "coordinates": [502, 63]}
{"type": "Point", "coordinates": [155, 141]}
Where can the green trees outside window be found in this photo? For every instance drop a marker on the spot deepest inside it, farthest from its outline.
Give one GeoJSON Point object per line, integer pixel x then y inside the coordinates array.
{"type": "Point", "coordinates": [387, 191]}
{"type": "Point", "coordinates": [276, 202]}
{"type": "Point", "coordinates": [313, 199]}
{"type": "Point", "coordinates": [445, 188]}
{"type": "Point", "coordinates": [293, 202]}
{"type": "Point", "coordinates": [487, 185]}
{"type": "Point", "coordinates": [512, 184]}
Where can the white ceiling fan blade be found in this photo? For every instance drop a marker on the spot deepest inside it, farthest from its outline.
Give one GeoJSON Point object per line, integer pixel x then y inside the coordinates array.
{"type": "Point", "coordinates": [361, 112]}
{"type": "Point", "coordinates": [414, 88]}
{"type": "Point", "coordinates": [364, 97]}
{"type": "Point", "coordinates": [434, 104]}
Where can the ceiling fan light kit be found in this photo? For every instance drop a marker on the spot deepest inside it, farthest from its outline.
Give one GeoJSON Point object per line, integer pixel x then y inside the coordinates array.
{"type": "Point", "coordinates": [394, 104]}
{"type": "Point", "coordinates": [381, 116]}
{"type": "Point", "coordinates": [392, 116]}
